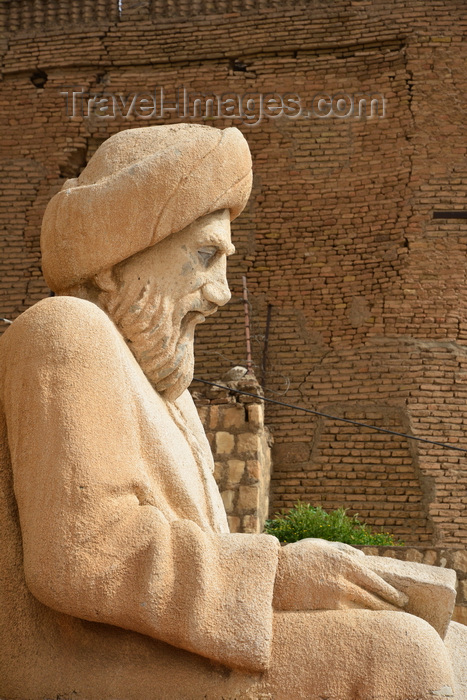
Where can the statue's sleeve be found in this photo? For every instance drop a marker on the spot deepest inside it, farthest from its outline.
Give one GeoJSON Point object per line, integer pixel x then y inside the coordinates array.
{"type": "Point", "coordinates": [92, 548]}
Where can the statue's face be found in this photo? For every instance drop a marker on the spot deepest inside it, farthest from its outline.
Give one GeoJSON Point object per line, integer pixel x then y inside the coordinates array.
{"type": "Point", "coordinates": [166, 291]}
{"type": "Point", "coordinates": [190, 264]}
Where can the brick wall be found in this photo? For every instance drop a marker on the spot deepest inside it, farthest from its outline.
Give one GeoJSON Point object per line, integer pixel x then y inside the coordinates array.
{"type": "Point", "coordinates": [366, 290]}
{"type": "Point", "coordinates": [26, 15]}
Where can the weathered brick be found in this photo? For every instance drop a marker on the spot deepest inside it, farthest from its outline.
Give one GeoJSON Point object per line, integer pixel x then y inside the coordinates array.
{"type": "Point", "coordinates": [459, 561]}
{"type": "Point", "coordinates": [233, 417]}
{"type": "Point", "coordinates": [248, 497]}
{"type": "Point", "coordinates": [248, 443]}
{"type": "Point", "coordinates": [251, 524]}
{"type": "Point", "coordinates": [236, 470]}
{"type": "Point", "coordinates": [228, 499]}
{"type": "Point", "coordinates": [224, 442]}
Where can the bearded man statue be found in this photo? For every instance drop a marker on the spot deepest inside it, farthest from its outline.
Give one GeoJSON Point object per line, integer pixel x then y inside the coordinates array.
{"type": "Point", "coordinates": [119, 577]}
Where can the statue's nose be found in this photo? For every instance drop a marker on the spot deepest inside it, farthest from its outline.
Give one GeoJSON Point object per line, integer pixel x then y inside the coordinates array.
{"type": "Point", "coordinates": [216, 289]}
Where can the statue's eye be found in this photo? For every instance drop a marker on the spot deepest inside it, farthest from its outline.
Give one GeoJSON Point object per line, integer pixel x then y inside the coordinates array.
{"type": "Point", "coordinates": [207, 254]}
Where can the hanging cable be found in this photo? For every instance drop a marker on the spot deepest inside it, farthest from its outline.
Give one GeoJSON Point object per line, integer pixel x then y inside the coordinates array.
{"type": "Point", "coordinates": [327, 415]}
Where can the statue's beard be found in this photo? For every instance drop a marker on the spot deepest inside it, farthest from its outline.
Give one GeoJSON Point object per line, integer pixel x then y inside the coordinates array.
{"type": "Point", "coordinates": [160, 334]}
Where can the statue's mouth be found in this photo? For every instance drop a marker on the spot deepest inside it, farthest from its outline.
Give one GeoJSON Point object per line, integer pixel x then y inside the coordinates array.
{"type": "Point", "coordinates": [193, 317]}
{"type": "Point", "coordinates": [198, 315]}
{"type": "Point", "coordinates": [190, 321]}
{"type": "Point", "coordinates": [210, 310]}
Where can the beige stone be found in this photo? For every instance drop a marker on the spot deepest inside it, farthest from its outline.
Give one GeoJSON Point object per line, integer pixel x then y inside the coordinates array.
{"type": "Point", "coordinates": [234, 523]}
{"type": "Point", "coordinates": [224, 442]}
{"type": "Point", "coordinates": [460, 614]}
{"type": "Point", "coordinates": [254, 468]}
{"type": "Point", "coordinates": [236, 470]}
{"type": "Point", "coordinates": [373, 551]}
{"type": "Point", "coordinates": [389, 554]}
{"type": "Point", "coordinates": [248, 443]}
{"type": "Point", "coordinates": [251, 524]}
{"type": "Point", "coordinates": [414, 555]}
{"type": "Point", "coordinates": [228, 499]}
{"type": "Point", "coordinates": [120, 578]}
{"type": "Point", "coordinates": [430, 557]}
{"type": "Point", "coordinates": [248, 497]}
{"type": "Point", "coordinates": [256, 414]}
{"type": "Point", "coordinates": [213, 416]}
{"type": "Point", "coordinates": [203, 413]}
{"type": "Point", "coordinates": [234, 417]}
{"type": "Point", "coordinates": [459, 561]}
{"type": "Point", "coordinates": [218, 471]}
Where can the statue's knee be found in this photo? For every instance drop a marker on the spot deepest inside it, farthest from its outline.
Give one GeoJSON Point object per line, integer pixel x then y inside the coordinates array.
{"type": "Point", "coordinates": [359, 654]}
{"type": "Point", "coordinates": [417, 658]}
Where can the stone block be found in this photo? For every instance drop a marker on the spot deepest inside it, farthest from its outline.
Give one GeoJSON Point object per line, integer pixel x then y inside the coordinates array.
{"type": "Point", "coordinates": [251, 524]}
{"type": "Point", "coordinates": [233, 417]}
{"type": "Point", "coordinates": [224, 443]}
{"type": "Point", "coordinates": [462, 592]}
{"type": "Point", "coordinates": [248, 497]}
{"type": "Point", "coordinates": [248, 443]}
{"type": "Point", "coordinates": [219, 469]}
{"type": "Point", "coordinates": [254, 469]}
{"type": "Point", "coordinates": [234, 523]}
{"type": "Point", "coordinates": [390, 553]}
{"type": "Point", "coordinates": [414, 555]}
{"type": "Point", "coordinates": [459, 561]}
{"type": "Point", "coordinates": [460, 614]}
{"type": "Point", "coordinates": [213, 417]}
{"type": "Point", "coordinates": [430, 557]}
{"type": "Point", "coordinates": [203, 412]}
{"type": "Point", "coordinates": [228, 500]}
{"type": "Point", "coordinates": [256, 415]}
{"type": "Point", "coordinates": [236, 469]}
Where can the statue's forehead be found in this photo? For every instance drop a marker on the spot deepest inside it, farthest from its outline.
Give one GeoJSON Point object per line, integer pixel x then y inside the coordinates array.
{"type": "Point", "coordinates": [212, 229]}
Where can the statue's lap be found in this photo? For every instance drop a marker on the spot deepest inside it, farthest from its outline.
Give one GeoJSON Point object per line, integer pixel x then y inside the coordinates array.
{"type": "Point", "coordinates": [337, 655]}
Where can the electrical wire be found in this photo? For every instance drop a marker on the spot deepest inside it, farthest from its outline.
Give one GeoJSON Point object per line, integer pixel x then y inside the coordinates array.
{"type": "Point", "coordinates": [327, 415]}
{"type": "Point", "coordinates": [323, 415]}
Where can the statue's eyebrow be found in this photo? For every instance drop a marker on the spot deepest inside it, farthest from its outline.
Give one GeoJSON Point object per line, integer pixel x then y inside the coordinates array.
{"type": "Point", "coordinates": [213, 239]}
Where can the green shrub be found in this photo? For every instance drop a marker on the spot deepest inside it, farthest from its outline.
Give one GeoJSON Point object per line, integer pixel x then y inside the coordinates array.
{"type": "Point", "coordinates": [305, 520]}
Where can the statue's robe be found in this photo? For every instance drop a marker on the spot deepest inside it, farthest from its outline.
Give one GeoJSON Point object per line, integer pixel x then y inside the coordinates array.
{"type": "Point", "coordinates": [118, 577]}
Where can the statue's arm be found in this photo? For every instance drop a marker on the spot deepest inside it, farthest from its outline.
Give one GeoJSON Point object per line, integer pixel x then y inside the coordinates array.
{"type": "Point", "coordinates": [314, 574]}
{"type": "Point", "coordinates": [92, 547]}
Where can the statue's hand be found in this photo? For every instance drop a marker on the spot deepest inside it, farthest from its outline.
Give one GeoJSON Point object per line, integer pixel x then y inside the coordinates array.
{"type": "Point", "coordinates": [318, 575]}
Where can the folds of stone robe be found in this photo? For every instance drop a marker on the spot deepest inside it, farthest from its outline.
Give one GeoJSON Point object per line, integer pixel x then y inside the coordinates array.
{"type": "Point", "coordinates": [118, 579]}
{"type": "Point", "coordinates": [109, 511]}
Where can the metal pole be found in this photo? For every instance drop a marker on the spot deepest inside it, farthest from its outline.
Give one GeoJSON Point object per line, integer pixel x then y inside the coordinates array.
{"type": "Point", "coordinates": [247, 326]}
{"type": "Point", "coordinates": [265, 346]}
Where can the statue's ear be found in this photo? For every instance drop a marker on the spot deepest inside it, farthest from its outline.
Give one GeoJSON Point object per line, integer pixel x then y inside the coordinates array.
{"type": "Point", "coordinates": [106, 280]}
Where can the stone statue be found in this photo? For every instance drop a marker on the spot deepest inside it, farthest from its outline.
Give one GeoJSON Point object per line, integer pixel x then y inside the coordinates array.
{"type": "Point", "coordinates": [119, 578]}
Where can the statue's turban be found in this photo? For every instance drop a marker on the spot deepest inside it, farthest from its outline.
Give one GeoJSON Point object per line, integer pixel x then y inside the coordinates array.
{"type": "Point", "coordinates": [140, 186]}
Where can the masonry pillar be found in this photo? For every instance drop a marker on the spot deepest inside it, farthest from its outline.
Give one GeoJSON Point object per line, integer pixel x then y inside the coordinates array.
{"type": "Point", "coordinates": [240, 443]}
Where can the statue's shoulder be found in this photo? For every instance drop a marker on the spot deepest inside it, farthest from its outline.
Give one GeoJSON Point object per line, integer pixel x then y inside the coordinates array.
{"type": "Point", "coordinates": [60, 322]}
